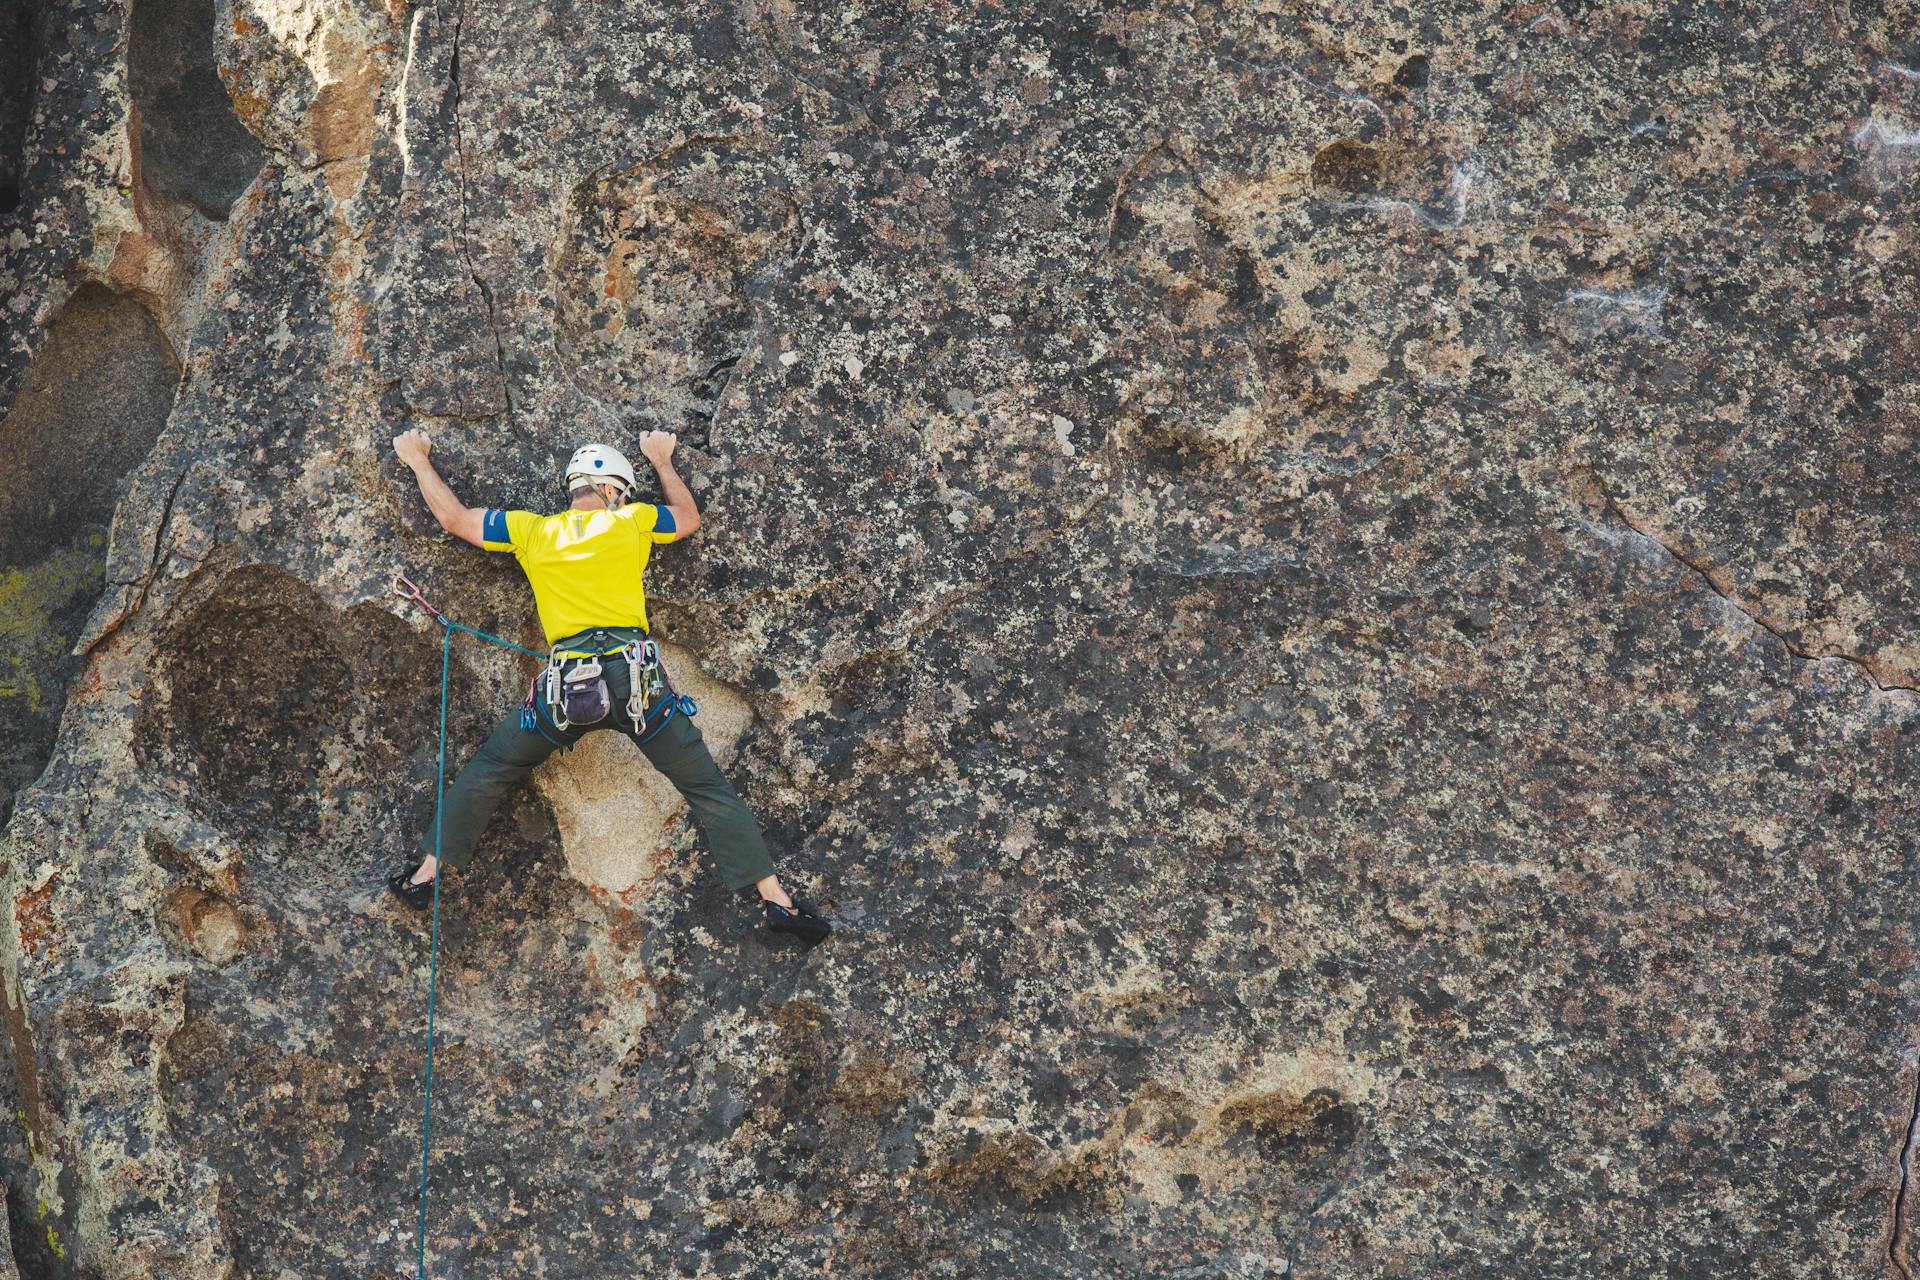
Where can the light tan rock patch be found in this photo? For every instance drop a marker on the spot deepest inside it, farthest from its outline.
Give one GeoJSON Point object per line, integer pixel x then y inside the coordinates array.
{"type": "Point", "coordinates": [616, 813]}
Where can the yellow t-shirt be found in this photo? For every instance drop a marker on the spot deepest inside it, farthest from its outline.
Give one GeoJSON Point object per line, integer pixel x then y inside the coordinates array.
{"type": "Point", "coordinates": [584, 566]}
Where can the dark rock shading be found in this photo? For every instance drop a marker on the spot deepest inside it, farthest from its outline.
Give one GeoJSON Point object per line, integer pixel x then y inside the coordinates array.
{"type": "Point", "coordinates": [192, 146]}
{"type": "Point", "coordinates": [88, 410]}
{"type": "Point", "coordinates": [19, 45]}
{"type": "Point", "coordinates": [1325, 595]}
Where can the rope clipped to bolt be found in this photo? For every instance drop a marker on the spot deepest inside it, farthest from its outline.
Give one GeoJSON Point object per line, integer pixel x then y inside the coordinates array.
{"type": "Point", "coordinates": [406, 590]}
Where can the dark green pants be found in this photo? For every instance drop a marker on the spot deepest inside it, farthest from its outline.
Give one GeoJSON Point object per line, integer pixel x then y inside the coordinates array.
{"type": "Point", "coordinates": [679, 751]}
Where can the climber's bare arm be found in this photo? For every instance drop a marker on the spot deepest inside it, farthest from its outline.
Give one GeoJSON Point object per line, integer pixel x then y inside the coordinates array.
{"type": "Point", "coordinates": [455, 517]}
{"type": "Point", "coordinates": [658, 446]}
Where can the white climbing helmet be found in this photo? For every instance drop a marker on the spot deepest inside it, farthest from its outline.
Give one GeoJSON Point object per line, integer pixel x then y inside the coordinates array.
{"type": "Point", "coordinates": [600, 463]}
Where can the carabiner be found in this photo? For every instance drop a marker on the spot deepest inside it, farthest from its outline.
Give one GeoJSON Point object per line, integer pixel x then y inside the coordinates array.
{"type": "Point", "coordinates": [404, 588]}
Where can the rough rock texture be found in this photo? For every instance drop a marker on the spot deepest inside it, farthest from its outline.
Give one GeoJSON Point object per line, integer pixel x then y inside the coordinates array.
{"type": "Point", "coordinates": [17, 40]}
{"type": "Point", "coordinates": [1327, 596]}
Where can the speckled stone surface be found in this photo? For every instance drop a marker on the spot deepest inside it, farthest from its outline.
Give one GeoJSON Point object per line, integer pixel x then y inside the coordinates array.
{"type": "Point", "coordinates": [1325, 594]}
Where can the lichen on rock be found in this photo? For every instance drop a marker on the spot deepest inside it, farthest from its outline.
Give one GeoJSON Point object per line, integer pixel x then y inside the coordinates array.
{"type": "Point", "coordinates": [1324, 595]}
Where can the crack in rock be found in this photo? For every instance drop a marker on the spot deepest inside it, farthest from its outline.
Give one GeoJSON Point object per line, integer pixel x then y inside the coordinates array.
{"type": "Point", "coordinates": [466, 251]}
{"type": "Point", "coordinates": [1897, 1230]}
{"type": "Point", "coordinates": [1714, 578]}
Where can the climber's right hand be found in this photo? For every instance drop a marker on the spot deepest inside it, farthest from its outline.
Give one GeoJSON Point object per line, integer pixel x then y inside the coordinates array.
{"type": "Point", "coordinates": [658, 446]}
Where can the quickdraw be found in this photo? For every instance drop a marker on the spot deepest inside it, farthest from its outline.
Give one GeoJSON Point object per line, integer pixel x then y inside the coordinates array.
{"type": "Point", "coordinates": [654, 694]}
{"type": "Point", "coordinates": [404, 588]}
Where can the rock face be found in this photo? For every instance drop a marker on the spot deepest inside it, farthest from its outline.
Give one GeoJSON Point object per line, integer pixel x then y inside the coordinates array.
{"type": "Point", "coordinates": [1327, 595]}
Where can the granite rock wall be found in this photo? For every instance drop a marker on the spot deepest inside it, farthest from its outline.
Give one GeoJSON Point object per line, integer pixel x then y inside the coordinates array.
{"type": "Point", "coordinates": [1325, 594]}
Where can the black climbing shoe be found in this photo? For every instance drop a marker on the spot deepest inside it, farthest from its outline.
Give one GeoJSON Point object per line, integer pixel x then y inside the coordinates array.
{"type": "Point", "coordinates": [804, 922]}
{"type": "Point", "coordinates": [417, 896]}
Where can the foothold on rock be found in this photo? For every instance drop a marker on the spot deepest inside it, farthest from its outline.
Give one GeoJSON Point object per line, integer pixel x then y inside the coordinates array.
{"type": "Point", "coordinates": [1203, 392]}
{"type": "Point", "coordinates": [1356, 168]}
{"type": "Point", "coordinates": [1312, 1130]}
{"type": "Point", "coordinates": [208, 922]}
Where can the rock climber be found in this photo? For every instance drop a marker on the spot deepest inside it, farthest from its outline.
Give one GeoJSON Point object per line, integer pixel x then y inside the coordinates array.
{"type": "Point", "coordinates": [585, 566]}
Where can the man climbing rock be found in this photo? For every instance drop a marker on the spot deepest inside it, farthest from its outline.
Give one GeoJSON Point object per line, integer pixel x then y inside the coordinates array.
{"type": "Point", "coordinates": [585, 566]}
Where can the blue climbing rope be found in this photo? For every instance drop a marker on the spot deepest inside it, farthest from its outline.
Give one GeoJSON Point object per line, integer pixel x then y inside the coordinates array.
{"type": "Point", "coordinates": [675, 703]}
{"type": "Point", "coordinates": [404, 588]}
{"type": "Point", "coordinates": [433, 971]}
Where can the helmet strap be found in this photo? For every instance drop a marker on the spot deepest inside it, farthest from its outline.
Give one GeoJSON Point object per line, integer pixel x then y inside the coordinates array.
{"type": "Point", "coordinates": [576, 483]}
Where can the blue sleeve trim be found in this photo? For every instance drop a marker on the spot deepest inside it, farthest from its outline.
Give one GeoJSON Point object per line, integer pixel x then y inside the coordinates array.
{"type": "Point", "coordinates": [493, 528]}
{"type": "Point", "coordinates": [663, 521]}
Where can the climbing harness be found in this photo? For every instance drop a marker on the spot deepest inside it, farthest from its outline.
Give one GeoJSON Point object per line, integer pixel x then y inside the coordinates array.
{"type": "Point", "coordinates": [406, 590]}
{"type": "Point", "coordinates": [573, 691]}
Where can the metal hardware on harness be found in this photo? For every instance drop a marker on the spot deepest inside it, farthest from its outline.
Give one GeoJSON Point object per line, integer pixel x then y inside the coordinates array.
{"type": "Point", "coordinates": [552, 696]}
{"type": "Point", "coordinates": [655, 696]}
{"type": "Point", "coordinates": [652, 701]}
{"type": "Point", "coordinates": [635, 654]}
{"type": "Point", "coordinates": [649, 680]}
